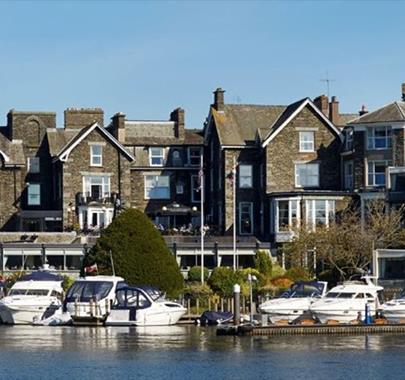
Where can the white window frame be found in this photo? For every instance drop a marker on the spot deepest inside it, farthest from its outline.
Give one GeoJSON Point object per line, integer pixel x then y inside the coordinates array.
{"type": "Point", "coordinates": [241, 204]}
{"type": "Point", "coordinates": [33, 165]}
{"type": "Point", "coordinates": [371, 139]}
{"type": "Point", "coordinates": [297, 165]}
{"type": "Point", "coordinates": [30, 187]}
{"type": "Point", "coordinates": [194, 190]}
{"type": "Point", "coordinates": [98, 180]}
{"type": "Point", "coordinates": [349, 139]}
{"type": "Point", "coordinates": [94, 156]}
{"type": "Point", "coordinates": [157, 156]}
{"type": "Point", "coordinates": [155, 178]}
{"type": "Point", "coordinates": [371, 172]}
{"type": "Point", "coordinates": [348, 177]}
{"type": "Point", "coordinates": [244, 177]}
{"type": "Point", "coordinates": [310, 212]}
{"type": "Point", "coordinates": [291, 202]}
{"type": "Point", "coordinates": [191, 156]}
{"type": "Point", "coordinates": [307, 145]}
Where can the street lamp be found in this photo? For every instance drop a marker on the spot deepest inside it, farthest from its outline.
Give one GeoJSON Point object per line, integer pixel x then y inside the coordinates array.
{"type": "Point", "coordinates": [251, 278]}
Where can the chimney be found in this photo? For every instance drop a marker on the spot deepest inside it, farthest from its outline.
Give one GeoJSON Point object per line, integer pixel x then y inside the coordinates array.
{"type": "Point", "coordinates": [334, 110]}
{"type": "Point", "coordinates": [403, 92]}
{"type": "Point", "coordinates": [363, 110]}
{"type": "Point", "coordinates": [322, 103]}
{"type": "Point", "coordinates": [77, 118]}
{"type": "Point", "coordinates": [219, 100]}
{"type": "Point", "coordinates": [118, 126]}
{"type": "Point", "coordinates": [178, 117]}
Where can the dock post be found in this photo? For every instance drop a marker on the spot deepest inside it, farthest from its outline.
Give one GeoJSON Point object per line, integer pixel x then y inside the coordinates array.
{"type": "Point", "coordinates": [236, 304]}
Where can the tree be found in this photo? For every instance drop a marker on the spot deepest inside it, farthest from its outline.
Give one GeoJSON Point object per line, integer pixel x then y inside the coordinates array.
{"type": "Point", "coordinates": [263, 263]}
{"type": "Point", "coordinates": [346, 245]}
{"type": "Point", "coordinates": [139, 253]}
{"type": "Point", "coordinates": [194, 274]}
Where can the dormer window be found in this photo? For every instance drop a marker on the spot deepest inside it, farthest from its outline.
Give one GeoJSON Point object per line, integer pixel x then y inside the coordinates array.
{"type": "Point", "coordinates": [156, 156]}
{"type": "Point", "coordinates": [96, 155]}
{"type": "Point", "coordinates": [194, 156]}
{"type": "Point", "coordinates": [307, 141]}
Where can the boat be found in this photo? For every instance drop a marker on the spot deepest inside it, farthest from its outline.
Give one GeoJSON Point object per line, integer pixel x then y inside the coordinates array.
{"type": "Point", "coordinates": [295, 302]}
{"type": "Point", "coordinates": [31, 296]}
{"type": "Point", "coordinates": [89, 299]}
{"type": "Point", "coordinates": [209, 318]}
{"type": "Point", "coordinates": [347, 302]}
{"type": "Point", "coordinates": [394, 310]}
{"type": "Point", "coordinates": [143, 306]}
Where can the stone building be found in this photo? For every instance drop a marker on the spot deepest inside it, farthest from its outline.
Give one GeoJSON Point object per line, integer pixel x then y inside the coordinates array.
{"type": "Point", "coordinates": [287, 165]}
{"type": "Point", "coordinates": [164, 181]}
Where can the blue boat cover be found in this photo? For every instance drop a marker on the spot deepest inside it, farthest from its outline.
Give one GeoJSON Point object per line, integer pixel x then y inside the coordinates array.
{"type": "Point", "coordinates": [213, 317]}
{"type": "Point", "coordinates": [41, 276]}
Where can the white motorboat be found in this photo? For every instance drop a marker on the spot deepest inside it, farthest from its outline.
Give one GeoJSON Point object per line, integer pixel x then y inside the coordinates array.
{"type": "Point", "coordinates": [143, 306]}
{"type": "Point", "coordinates": [347, 302]}
{"type": "Point", "coordinates": [30, 297]}
{"type": "Point", "coordinates": [89, 299]}
{"type": "Point", "coordinates": [295, 302]}
{"type": "Point", "coordinates": [394, 310]}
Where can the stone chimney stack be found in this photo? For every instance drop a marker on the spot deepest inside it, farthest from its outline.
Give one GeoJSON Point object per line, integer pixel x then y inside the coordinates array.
{"type": "Point", "coordinates": [118, 126]}
{"type": "Point", "coordinates": [77, 118]}
{"type": "Point", "coordinates": [363, 110]}
{"type": "Point", "coordinates": [178, 116]}
{"type": "Point", "coordinates": [403, 92]}
{"type": "Point", "coordinates": [322, 103]}
{"type": "Point", "coordinates": [334, 110]}
{"type": "Point", "coordinates": [219, 99]}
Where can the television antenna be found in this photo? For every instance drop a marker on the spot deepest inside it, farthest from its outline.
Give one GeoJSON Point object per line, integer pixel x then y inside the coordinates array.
{"type": "Point", "coordinates": [327, 80]}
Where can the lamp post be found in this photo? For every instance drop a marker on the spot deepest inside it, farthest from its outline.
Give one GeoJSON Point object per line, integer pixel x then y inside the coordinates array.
{"type": "Point", "coordinates": [251, 278]}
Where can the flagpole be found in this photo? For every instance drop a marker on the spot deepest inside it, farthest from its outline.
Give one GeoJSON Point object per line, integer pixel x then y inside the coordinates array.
{"type": "Point", "coordinates": [201, 175]}
{"type": "Point", "coordinates": [234, 211]}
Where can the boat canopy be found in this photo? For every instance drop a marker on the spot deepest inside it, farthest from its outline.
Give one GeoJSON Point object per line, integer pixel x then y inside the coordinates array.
{"type": "Point", "coordinates": [305, 289]}
{"type": "Point", "coordinates": [41, 276]}
{"type": "Point", "coordinates": [151, 291]}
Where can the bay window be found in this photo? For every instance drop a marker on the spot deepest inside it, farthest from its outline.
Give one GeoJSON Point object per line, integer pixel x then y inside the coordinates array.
{"type": "Point", "coordinates": [287, 214]}
{"type": "Point", "coordinates": [319, 212]}
{"type": "Point", "coordinates": [157, 187]}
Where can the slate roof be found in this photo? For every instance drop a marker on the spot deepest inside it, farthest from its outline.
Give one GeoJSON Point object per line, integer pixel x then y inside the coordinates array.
{"type": "Point", "coordinates": [390, 113]}
{"type": "Point", "coordinates": [13, 150]}
{"type": "Point", "coordinates": [345, 118]}
{"type": "Point", "coordinates": [238, 124]}
{"type": "Point", "coordinates": [58, 138]}
{"type": "Point", "coordinates": [146, 133]}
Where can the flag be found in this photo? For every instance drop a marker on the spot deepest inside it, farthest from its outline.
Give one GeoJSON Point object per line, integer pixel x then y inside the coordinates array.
{"type": "Point", "coordinates": [91, 269]}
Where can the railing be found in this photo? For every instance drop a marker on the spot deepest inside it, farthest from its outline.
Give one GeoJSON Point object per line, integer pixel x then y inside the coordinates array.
{"type": "Point", "coordinates": [83, 199]}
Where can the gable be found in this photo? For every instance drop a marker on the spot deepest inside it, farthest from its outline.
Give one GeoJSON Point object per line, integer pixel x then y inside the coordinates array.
{"type": "Point", "coordinates": [291, 112]}
{"type": "Point", "coordinates": [83, 134]}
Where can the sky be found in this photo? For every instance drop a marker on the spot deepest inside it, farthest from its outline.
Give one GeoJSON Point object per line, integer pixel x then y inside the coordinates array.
{"type": "Point", "coordinates": [147, 58]}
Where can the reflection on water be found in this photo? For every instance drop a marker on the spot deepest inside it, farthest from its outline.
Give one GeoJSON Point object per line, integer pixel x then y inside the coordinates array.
{"type": "Point", "coordinates": [190, 352]}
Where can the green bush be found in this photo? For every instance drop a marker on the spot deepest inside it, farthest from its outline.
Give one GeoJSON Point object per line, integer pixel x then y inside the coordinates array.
{"type": "Point", "coordinates": [298, 274]}
{"type": "Point", "coordinates": [194, 274]}
{"type": "Point", "coordinates": [263, 263]}
{"type": "Point", "coordinates": [277, 271]}
{"type": "Point", "coordinates": [139, 252]}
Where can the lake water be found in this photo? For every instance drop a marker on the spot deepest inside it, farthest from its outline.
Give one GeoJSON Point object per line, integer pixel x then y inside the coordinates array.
{"type": "Point", "coordinates": [188, 352]}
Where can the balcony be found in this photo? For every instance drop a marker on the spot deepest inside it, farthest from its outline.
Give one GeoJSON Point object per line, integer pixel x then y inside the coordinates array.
{"type": "Point", "coordinates": [95, 198]}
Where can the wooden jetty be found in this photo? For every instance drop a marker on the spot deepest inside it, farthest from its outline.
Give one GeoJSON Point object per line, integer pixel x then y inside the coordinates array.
{"type": "Point", "coordinates": [248, 330]}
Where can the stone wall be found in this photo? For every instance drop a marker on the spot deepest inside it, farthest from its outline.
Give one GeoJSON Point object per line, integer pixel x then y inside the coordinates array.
{"type": "Point", "coordinates": [78, 164]}
{"type": "Point", "coordinates": [10, 193]}
{"type": "Point", "coordinates": [283, 152]}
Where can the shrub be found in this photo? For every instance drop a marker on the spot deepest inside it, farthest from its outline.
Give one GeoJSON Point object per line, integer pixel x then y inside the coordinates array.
{"type": "Point", "coordinates": [139, 252]}
{"type": "Point", "coordinates": [277, 271]}
{"type": "Point", "coordinates": [194, 274]}
{"type": "Point", "coordinates": [298, 274]}
{"type": "Point", "coordinates": [263, 263]}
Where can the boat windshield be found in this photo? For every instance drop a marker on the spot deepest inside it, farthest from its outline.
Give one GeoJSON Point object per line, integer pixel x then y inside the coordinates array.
{"type": "Point", "coordinates": [304, 290]}
{"type": "Point", "coordinates": [29, 292]}
{"type": "Point", "coordinates": [88, 290]}
{"type": "Point", "coordinates": [339, 295]}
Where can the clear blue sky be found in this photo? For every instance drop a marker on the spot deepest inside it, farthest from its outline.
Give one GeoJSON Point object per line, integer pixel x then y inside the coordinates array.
{"type": "Point", "coordinates": [146, 58]}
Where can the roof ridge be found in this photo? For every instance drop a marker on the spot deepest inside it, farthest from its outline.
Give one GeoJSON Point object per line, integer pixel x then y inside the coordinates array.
{"type": "Point", "coordinates": [400, 110]}
{"type": "Point", "coordinates": [370, 113]}
{"type": "Point", "coordinates": [257, 105]}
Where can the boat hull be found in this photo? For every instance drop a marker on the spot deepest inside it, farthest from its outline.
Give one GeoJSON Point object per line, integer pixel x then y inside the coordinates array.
{"type": "Point", "coordinates": [342, 315]}
{"type": "Point", "coordinates": [26, 315]}
{"type": "Point", "coordinates": [144, 317]}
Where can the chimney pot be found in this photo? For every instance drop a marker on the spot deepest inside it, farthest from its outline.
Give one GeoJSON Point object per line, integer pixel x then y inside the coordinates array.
{"type": "Point", "coordinates": [219, 99]}
{"type": "Point", "coordinates": [363, 110]}
{"type": "Point", "coordinates": [334, 110]}
{"type": "Point", "coordinates": [322, 103]}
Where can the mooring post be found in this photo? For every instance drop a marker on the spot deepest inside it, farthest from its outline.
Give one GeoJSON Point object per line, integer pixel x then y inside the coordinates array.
{"type": "Point", "coordinates": [236, 304]}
